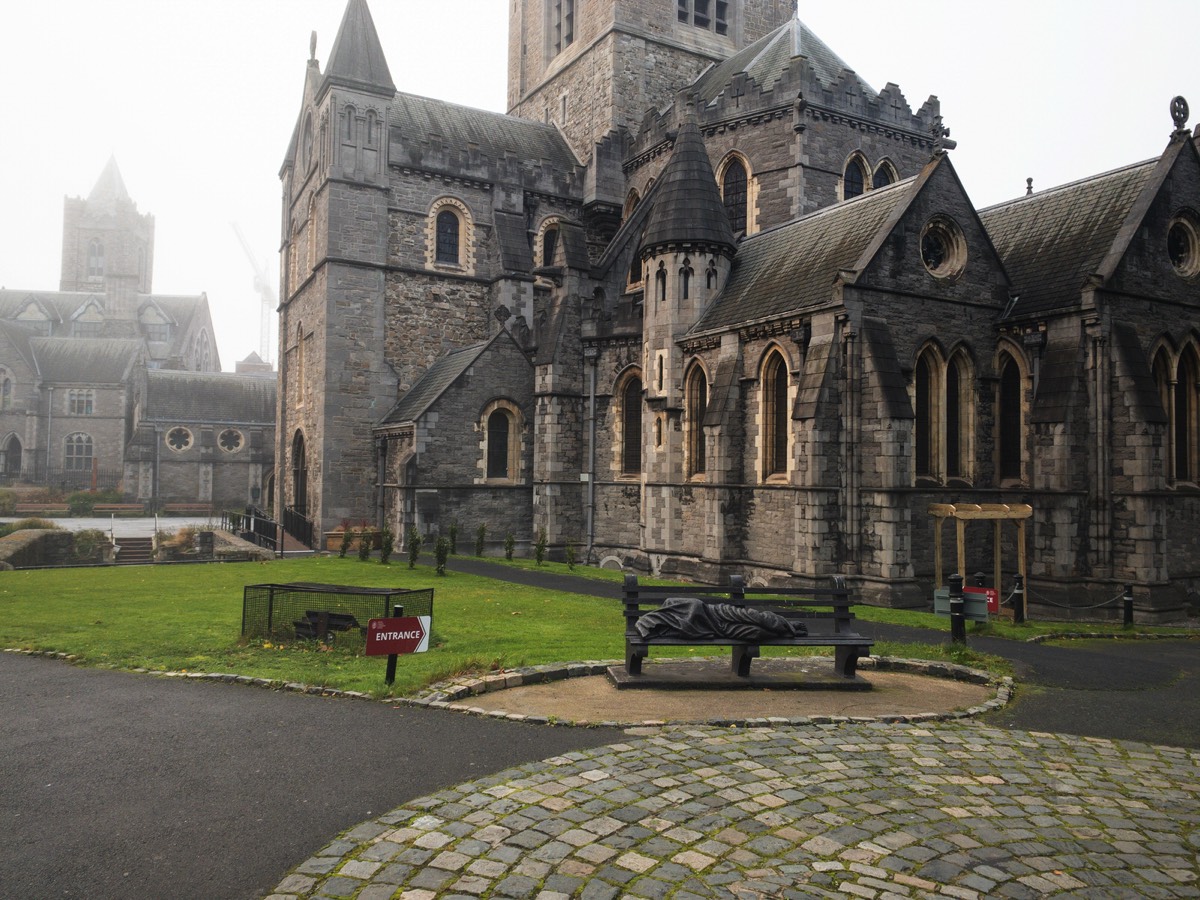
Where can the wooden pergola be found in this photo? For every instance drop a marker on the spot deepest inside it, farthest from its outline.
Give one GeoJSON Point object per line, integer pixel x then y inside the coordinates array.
{"type": "Point", "coordinates": [963, 513]}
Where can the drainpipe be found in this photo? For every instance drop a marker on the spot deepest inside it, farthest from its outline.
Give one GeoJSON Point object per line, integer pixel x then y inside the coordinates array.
{"type": "Point", "coordinates": [591, 354]}
{"type": "Point", "coordinates": [49, 423]}
{"type": "Point", "coordinates": [157, 460]}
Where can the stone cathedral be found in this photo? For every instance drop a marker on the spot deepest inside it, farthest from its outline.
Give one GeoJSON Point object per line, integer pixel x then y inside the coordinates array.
{"type": "Point", "coordinates": [705, 302]}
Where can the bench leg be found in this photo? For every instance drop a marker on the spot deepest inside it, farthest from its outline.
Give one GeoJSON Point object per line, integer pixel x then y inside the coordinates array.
{"type": "Point", "coordinates": [741, 657]}
{"type": "Point", "coordinates": [845, 660]}
{"type": "Point", "coordinates": [634, 654]}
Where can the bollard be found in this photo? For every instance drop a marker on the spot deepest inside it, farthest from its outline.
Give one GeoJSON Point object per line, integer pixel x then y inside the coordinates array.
{"type": "Point", "coordinates": [390, 675]}
{"type": "Point", "coordinates": [1128, 601]}
{"type": "Point", "coordinates": [1019, 601]}
{"type": "Point", "coordinates": [958, 622]}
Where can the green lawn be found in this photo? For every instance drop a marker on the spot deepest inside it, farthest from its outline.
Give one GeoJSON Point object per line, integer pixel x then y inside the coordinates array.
{"type": "Point", "coordinates": [188, 618]}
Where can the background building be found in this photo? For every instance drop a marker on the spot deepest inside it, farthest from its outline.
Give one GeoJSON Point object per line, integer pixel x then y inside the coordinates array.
{"type": "Point", "coordinates": [706, 302]}
{"type": "Point", "coordinates": [83, 372]}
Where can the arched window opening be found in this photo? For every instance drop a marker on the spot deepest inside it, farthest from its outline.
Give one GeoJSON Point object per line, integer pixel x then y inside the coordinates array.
{"type": "Point", "coordinates": [6, 390]}
{"type": "Point", "coordinates": [710, 275]}
{"type": "Point", "coordinates": [884, 175]}
{"type": "Point", "coordinates": [549, 246]}
{"type": "Point", "coordinates": [77, 454]}
{"type": "Point", "coordinates": [685, 280]}
{"type": "Point", "coordinates": [697, 406]}
{"type": "Point", "coordinates": [631, 427]}
{"type": "Point", "coordinates": [853, 180]}
{"type": "Point", "coordinates": [660, 282]}
{"type": "Point", "coordinates": [11, 453]}
{"type": "Point", "coordinates": [1185, 419]}
{"type": "Point", "coordinates": [350, 121]}
{"type": "Point", "coordinates": [734, 194]}
{"type": "Point", "coordinates": [95, 259]}
{"type": "Point", "coordinates": [635, 269]}
{"type": "Point", "coordinates": [1010, 433]}
{"type": "Point", "coordinates": [775, 416]}
{"type": "Point", "coordinates": [499, 426]}
{"type": "Point", "coordinates": [447, 237]}
{"type": "Point", "coordinates": [954, 420]}
{"type": "Point", "coordinates": [923, 455]}
{"type": "Point", "coordinates": [299, 475]}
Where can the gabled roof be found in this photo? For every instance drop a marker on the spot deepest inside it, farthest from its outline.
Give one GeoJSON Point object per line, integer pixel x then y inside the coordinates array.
{"type": "Point", "coordinates": [1052, 241]}
{"type": "Point", "coordinates": [356, 60]}
{"type": "Point", "coordinates": [688, 207]}
{"type": "Point", "coordinates": [208, 397]}
{"type": "Point", "coordinates": [85, 360]}
{"type": "Point", "coordinates": [19, 338]}
{"type": "Point", "coordinates": [434, 382]}
{"type": "Point", "coordinates": [794, 266]}
{"type": "Point", "coordinates": [766, 58]}
{"type": "Point", "coordinates": [420, 119]}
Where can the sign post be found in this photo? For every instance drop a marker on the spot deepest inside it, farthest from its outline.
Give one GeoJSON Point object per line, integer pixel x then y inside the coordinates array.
{"type": "Point", "coordinates": [399, 634]}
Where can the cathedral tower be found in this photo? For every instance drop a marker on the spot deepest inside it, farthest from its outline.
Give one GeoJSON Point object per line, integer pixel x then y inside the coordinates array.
{"type": "Point", "coordinates": [593, 66]}
{"type": "Point", "coordinates": [108, 246]}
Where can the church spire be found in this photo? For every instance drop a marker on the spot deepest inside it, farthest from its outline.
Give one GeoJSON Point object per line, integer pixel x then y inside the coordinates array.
{"type": "Point", "coordinates": [356, 60]}
{"type": "Point", "coordinates": [110, 187]}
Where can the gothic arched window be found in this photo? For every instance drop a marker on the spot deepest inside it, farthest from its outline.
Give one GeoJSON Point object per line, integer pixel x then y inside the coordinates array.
{"type": "Point", "coordinates": [775, 416]}
{"type": "Point", "coordinates": [734, 194]}
{"type": "Point", "coordinates": [697, 406]}
{"type": "Point", "coordinates": [660, 282]}
{"type": "Point", "coordinates": [503, 441]}
{"type": "Point", "coordinates": [77, 452]}
{"type": "Point", "coordinates": [1010, 432]}
{"type": "Point", "coordinates": [685, 280]}
{"type": "Point", "coordinates": [631, 427]}
{"type": "Point", "coordinates": [854, 179]}
{"type": "Point", "coordinates": [447, 237]}
{"type": "Point", "coordinates": [95, 259]}
{"type": "Point", "coordinates": [943, 407]}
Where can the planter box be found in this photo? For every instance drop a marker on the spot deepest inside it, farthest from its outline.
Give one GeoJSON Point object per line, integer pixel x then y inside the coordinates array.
{"type": "Point", "coordinates": [333, 540]}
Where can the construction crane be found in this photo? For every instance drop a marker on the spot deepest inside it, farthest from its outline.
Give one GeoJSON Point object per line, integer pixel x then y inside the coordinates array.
{"type": "Point", "coordinates": [269, 300]}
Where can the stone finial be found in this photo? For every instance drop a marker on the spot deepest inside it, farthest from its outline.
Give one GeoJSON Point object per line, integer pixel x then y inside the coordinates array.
{"type": "Point", "coordinates": [1028, 187]}
{"type": "Point", "coordinates": [312, 46]}
{"type": "Point", "coordinates": [1179, 113]}
{"type": "Point", "coordinates": [941, 136]}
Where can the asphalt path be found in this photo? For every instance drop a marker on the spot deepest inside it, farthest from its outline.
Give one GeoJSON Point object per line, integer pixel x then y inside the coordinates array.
{"type": "Point", "coordinates": [120, 785]}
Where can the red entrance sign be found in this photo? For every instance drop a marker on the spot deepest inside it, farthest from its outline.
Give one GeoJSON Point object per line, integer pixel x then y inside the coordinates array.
{"type": "Point", "coordinates": [992, 595]}
{"type": "Point", "coordinates": [406, 634]}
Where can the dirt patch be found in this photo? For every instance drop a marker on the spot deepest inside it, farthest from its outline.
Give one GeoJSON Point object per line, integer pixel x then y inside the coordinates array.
{"type": "Point", "coordinates": [596, 699]}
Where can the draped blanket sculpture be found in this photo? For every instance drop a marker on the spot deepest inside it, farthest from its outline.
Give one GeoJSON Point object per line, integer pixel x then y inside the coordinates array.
{"type": "Point", "coordinates": [688, 617]}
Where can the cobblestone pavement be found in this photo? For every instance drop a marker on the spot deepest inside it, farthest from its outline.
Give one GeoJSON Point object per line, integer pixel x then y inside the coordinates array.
{"type": "Point", "coordinates": [872, 810]}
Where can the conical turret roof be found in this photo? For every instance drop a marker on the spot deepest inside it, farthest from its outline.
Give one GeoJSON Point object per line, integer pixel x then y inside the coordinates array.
{"type": "Point", "coordinates": [689, 209]}
{"type": "Point", "coordinates": [357, 59]}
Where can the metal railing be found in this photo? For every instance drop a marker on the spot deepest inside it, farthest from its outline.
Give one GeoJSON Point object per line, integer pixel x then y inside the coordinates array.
{"type": "Point", "coordinates": [298, 526]}
{"type": "Point", "coordinates": [255, 526]}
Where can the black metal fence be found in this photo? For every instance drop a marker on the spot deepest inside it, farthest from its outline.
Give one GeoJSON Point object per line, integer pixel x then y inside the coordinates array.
{"type": "Point", "coordinates": [298, 525]}
{"type": "Point", "coordinates": [92, 478]}
{"type": "Point", "coordinates": [255, 526]}
{"type": "Point", "coordinates": [328, 612]}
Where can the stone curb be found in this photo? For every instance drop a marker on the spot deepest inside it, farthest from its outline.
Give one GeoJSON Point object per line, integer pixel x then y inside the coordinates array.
{"type": "Point", "coordinates": [446, 694]}
{"type": "Point", "coordinates": [454, 694]}
{"type": "Point", "coordinates": [1093, 635]}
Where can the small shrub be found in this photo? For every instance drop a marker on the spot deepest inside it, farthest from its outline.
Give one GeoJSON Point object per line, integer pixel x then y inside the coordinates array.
{"type": "Point", "coordinates": [414, 546]}
{"type": "Point", "coordinates": [539, 548]}
{"type": "Point", "coordinates": [89, 544]}
{"type": "Point", "coordinates": [83, 503]}
{"type": "Point", "coordinates": [480, 537]}
{"type": "Point", "coordinates": [510, 544]}
{"type": "Point", "coordinates": [454, 538]}
{"type": "Point", "coordinates": [441, 550]}
{"type": "Point", "coordinates": [387, 543]}
{"type": "Point", "coordinates": [347, 538]}
{"type": "Point", "coordinates": [365, 539]}
{"type": "Point", "coordinates": [8, 502]}
{"type": "Point", "coordinates": [571, 556]}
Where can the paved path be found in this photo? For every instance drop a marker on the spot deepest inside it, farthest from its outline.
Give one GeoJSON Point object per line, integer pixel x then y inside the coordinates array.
{"type": "Point", "coordinates": [119, 785]}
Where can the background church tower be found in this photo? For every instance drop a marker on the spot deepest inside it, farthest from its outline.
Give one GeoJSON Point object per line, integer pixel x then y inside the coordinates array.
{"type": "Point", "coordinates": [593, 66]}
{"type": "Point", "coordinates": [108, 246]}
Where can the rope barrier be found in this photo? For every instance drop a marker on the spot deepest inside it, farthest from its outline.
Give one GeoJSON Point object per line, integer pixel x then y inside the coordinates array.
{"type": "Point", "coordinates": [1048, 602]}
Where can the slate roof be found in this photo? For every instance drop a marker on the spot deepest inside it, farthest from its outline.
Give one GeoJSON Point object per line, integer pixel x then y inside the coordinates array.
{"type": "Point", "coordinates": [688, 207]}
{"type": "Point", "coordinates": [1052, 241]}
{"type": "Point", "coordinates": [433, 383]}
{"type": "Point", "coordinates": [84, 360]}
{"type": "Point", "coordinates": [109, 190]}
{"type": "Point", "coordinates": [357, 58]}
{"type": "Point", "coordinates": [216, 397]}
{"type": "Point", "coordinates": [793, 267]}
{"type": "Point", "coordinates": [766, 59]}
{"type": "Point", "coordinates": [419, 118]}
{"type": "Point", "coordinates": [515, 253]}
{"type": "Point", "coordinates": [60, 305]}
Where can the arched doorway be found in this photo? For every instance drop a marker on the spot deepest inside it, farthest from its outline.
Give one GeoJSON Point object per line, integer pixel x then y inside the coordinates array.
{"type": "Point", "coordinates": [10, 458]}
